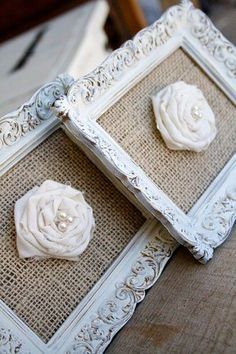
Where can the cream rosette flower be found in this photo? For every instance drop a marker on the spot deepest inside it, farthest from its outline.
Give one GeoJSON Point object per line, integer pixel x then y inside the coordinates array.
{"type": "Point", "coordinates": [53, 220]}
{"type": "Point", "coordinates": [184, 118]}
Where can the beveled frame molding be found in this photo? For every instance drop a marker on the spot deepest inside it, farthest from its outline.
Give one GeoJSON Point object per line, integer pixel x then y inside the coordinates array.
{"type": "Point", "coordinates": [209, 222]}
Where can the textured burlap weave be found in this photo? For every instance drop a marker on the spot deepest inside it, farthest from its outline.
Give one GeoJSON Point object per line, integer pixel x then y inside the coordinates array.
{"type": "Point", "coordinates": [44, 293]}
{"type": "Point", "coordinates": [182, 175]}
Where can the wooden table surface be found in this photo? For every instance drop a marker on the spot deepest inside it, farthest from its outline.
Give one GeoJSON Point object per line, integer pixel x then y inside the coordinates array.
{"type": "Point", "coordinates": [191, 309]}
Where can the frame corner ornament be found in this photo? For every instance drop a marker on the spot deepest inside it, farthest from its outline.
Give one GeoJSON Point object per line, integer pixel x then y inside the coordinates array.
{"type": "Point", "coordinates": [62, 109]}
{"type": "Point", "coordinates": [31, 114]}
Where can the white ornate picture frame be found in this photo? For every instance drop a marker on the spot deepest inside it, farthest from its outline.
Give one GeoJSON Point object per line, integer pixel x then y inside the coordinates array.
{"type": "Point", "coordinates": [209, 222]}
{"type": "Point", "coordinates": [112, 301]}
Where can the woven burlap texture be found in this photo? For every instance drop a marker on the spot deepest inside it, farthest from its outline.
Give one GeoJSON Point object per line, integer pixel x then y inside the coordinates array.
{"type": "Point", "coordinates": [182, 175]}
{"type": "Point", "coordinates": [44, 293]}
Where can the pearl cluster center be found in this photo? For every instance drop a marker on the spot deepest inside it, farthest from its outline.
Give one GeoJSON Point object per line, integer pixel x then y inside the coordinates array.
{"type": "Point", "coordinates": [63, 220]}
{"type": "Point", "coordinates": [196, 113]}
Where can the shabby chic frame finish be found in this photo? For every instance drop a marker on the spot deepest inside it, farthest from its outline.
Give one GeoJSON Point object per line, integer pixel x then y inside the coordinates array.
{"type": "Point", "coordinates": [206, 227]}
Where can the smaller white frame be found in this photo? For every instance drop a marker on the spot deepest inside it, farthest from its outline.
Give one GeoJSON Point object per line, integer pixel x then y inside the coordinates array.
{"type": "Point", "coordinates": [209, 222]}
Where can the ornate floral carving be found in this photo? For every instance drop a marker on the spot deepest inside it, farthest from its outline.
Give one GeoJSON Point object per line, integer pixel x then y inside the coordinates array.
{"type": "Point", "coordinates": [62, 109]}
{"type": "Point", "coordinates": [9, 343]}
{"type": "Point", "coordinates": [93, 85]}
{"type": "Point", "coordinates": [216, 225]}
{"type": "Point", "coordinates": [15, 125]}
{"type": "Point", "coordinates": [202, 252]}
{"type": "Point", "coordinates": [119, 308]}
{"type": "Point", "coordinates": [214, 42]}
{"type": "Point", "coordinates": [220, 218]}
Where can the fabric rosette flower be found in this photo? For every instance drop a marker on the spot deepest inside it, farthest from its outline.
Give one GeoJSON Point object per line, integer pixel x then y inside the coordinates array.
{"type": "Point", "coordinates": [184, 118]}
{"type": "Point", "coordinates": [53, 220]}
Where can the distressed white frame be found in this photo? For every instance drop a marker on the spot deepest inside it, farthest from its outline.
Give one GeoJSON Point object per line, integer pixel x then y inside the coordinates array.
{"type": "Point", "coordinates": [112, 301]}
{"type": "Point", "coordinates": [205, 227]}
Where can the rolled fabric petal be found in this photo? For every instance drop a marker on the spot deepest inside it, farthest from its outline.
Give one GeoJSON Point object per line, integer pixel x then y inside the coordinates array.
{"type": "Point", "coordinates": [184, 117]}
{"type": "Point", "coordinates": [53, 221]}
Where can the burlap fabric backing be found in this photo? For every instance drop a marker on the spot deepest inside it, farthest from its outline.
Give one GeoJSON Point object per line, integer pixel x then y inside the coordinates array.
{"type": "Point", "coordinates": [182, 175]}
{"type": "Point", "coordinates": [44, 293]}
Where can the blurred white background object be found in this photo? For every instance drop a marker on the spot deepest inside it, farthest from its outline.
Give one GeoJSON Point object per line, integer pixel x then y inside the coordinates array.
{"type": "Point", "coordinates": [73, 42]}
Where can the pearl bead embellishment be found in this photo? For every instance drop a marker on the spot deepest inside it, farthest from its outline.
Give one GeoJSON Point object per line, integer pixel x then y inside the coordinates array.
{"type": "Point", "coordinates": [62, 226]}
{"type": "Point", "coordinates": [70, 219]}
{"type": "Point", "coordinates": [196, 113]}
{"type": "Point", "coordinates": [63, 220]}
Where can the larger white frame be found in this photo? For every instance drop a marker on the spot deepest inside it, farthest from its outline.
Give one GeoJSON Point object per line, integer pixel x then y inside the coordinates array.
{"type": "Point", "coordinates": [209, 223]}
